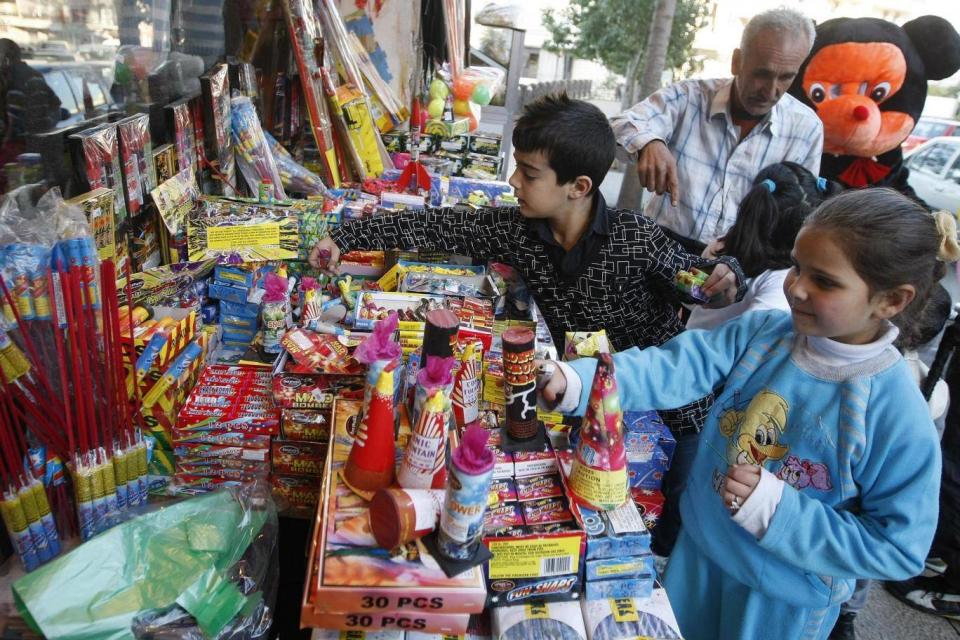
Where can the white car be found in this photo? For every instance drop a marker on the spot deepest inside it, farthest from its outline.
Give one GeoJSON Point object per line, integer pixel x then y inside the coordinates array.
{"type": "Point", "coordinates": [935, 172]}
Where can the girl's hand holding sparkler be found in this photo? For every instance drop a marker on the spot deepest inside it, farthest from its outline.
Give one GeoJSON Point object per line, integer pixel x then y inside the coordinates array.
{"type": "Point", "coordinates": [325, 256]}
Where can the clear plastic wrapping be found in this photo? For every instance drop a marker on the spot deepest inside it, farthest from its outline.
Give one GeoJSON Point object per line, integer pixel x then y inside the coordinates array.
{"type": "Point", "coordinates": [254, 157]}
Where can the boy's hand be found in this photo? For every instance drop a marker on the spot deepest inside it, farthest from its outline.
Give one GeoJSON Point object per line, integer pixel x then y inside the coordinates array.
{"type": "Point", "coordinates": [741, 480]}
{"type": "Point", "coordinates": [720, 287]}
{"type": "Point", "coordinates": [551, 382]}
{"type": "Point", "coordinates": [325, 256]}
{"type": "Point", "coordinates": [657, 169]}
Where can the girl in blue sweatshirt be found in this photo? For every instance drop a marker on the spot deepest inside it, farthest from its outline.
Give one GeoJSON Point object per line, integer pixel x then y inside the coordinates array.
{"type": "Point", "coordinates": [819, 463]}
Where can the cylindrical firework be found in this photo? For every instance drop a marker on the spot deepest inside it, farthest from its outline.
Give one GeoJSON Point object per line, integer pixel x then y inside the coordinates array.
{"type": "Point", "coordinates": [120, 478]}
{"type": "Point", "coordinates": [110, 488]}
{"type": "Point", "coordinates": [133, 477]}
{"type": "Point", "coordinates": [439, 335]}
{"type": "Point", "coordinates": [598, 478]}
{"type": "Point", "coordinates": [468, 484]}
{"type": "Point", "coordinates": [29, 504]}
{"type": "Point", "coordinates": [99, 498]}
{"type": "Point", "coordinates": [142, 471]}
{"type": "Point", "coordinates": [398, 516]}
{"type": "Point", "coordinates": [49, 525]}
{"type": "Point", "coordinates": [274, 317]}
{"type": "Point", "coordinates": [83, 484]}
{"type": "Point", "coordinates": [520, 383]}
{"type": "Point", "coordinates": [437, 374]}
{"type": "Point", "coordinates": [466, 387]}
{"type": "Point", "coordinates": [16, 522]}
{"type": "Point", "coordinates": [424, 458]}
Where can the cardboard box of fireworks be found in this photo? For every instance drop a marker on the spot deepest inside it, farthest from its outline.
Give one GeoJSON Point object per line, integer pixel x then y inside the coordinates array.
{"type": "Point", "coordinates": [242, 230]}
{"type": "Point", "coordinates": [299, 455]}
{"type": "Point", "coordinates": [354, 585]}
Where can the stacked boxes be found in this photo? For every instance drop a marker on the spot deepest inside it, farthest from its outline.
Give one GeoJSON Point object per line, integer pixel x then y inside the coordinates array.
{"type": "Point", "coordinates": [650, 447]}
{"type": "Point", "coordinates": [619, 563]}
{"type": "Point", "coordinates": [239, 319]}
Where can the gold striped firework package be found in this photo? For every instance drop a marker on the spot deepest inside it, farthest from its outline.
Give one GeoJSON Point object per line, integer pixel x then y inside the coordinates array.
{"type": "Point", "coordinates": [236, 231]}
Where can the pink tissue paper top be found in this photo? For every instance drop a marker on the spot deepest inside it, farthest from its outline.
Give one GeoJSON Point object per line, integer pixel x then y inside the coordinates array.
{"type": "Point", "coordinates": [437, 373]}
{"type": "Point", "coordinates": [380, 345]}
{"type": "Point", "coordinates": [275, 287]}
{"type": "Point", "coordinates": [473, 456]}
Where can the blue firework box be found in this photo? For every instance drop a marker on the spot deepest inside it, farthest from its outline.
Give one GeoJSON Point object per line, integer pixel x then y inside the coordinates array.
{"type": "Point", "coordinates": [623, 588]}
{"type": "Point", "coordinates": [619, 618]}
{"type": "Point", "coordinates": [640, 566]}
{"type": "Point", "coordinates": [649, 424]}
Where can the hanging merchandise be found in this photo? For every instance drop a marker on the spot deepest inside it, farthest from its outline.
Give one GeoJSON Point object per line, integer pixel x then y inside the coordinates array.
{"type": "Point", "coordinates": [599, 476]}
{"type": "Point", "coordinates": [304, 38]}
{"type": "Point", "coordinates": [217, 126]}
{"type": "Point", "coordinates": [136, 155]}
{"type": "Point", "coordinates": [253, 151]}
{"type": "Point", "coordinates": [388, 111]}
{"type": "Point", "coordinates": [180, 123]}
{"type": "Point", "coordinates": [100, 164]}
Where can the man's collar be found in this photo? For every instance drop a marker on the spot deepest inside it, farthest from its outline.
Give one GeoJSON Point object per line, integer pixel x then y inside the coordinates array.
{"type": "Point", "coordinates": [720, 105]}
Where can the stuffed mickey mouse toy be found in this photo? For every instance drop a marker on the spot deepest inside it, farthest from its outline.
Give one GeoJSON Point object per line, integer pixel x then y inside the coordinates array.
{"type": "Point", "coordinates": [867, 80]}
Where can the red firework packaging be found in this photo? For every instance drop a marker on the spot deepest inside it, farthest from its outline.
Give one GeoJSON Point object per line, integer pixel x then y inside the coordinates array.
{"type": "Point", "coordinates": [423, 465]}
{"type": "Point", "coordinates": [101, 164]}
{"type": "Point", "coordinates": [598, 479]}
{"type": "Point", "coordinates": [398, 516]}
{"type": "Point", "coordinates": [466, 389]}
{"type": "Point", "coordinates": [520, 382]}
{"type": "Point", "coordinates": [136, 154]}
{"type": "Point", "coordinates": [370, 465]}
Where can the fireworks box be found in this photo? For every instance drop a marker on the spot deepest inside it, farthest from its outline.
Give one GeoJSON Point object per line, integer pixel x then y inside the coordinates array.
{"type": "Point", "coordinates": [98, 206]}
{"type": "Point", "coordinates": [305, 426]}
{"type": "Point", "coordinates": [652, 430]}
{"type": "Point", "coordinates": [646, 461]}
{"type": "Point", "coordinates": [165, 162]}
{"type": "Point", "coordinates": [376, 305]}
{"type": "Point", "coordinates": [353, 586]}
{"type": "Point", "coordinates": [298, 458]}
{"type": "Point", "coordinates": [539, 621]}
{"type": "Point", "coordinates": [241, 230]}
{"type": "Point", "coordinates": [620, 588]}
{"type": "Point", "coordinates": [165, 285]}
{"type": "Point", "coordinates": [618, 533]}
{"type": "Point", "coordinates": [623, 618]}
{"type": "Point", "coordinates": [296, 496]}
{"type": "Point", "coordinates": [649, 504]}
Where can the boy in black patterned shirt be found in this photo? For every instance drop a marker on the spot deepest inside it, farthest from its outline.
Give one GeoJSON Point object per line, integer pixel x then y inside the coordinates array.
{"type": "Point", "coordinates": [588, 267]}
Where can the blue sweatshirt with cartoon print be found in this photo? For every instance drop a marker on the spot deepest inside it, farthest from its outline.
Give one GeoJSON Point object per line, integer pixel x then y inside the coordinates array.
{"type": "Point", "coordinates": [853, 444]}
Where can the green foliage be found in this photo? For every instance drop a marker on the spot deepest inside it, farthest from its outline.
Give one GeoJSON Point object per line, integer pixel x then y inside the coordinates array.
{"type": "Point", "coordinates": [613, 31]}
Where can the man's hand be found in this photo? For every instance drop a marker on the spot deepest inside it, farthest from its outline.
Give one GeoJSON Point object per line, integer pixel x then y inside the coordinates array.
{"type": "Point", "coordinates": [657, 170]}
{"type": "Point", "coordinates": [721, 287]}
{"type": "Point", "coordinates": [325, 256]}
{"type": "Point", "coordinates": [741, 480]}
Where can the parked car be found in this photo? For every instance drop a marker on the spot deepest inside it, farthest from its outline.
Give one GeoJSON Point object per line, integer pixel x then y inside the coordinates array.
{"type": "Point", "coordinates": [930, 128]}
{"type": "Point", "coordinates": [83, 88]}
{"type": "Point", "coordinates": [935, 172]}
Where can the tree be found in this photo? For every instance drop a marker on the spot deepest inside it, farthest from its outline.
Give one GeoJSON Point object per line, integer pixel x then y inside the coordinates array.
{"type": "Point", "coordinates": [615, 33]}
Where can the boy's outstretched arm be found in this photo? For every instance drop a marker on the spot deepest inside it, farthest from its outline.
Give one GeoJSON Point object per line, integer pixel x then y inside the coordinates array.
{"type": "Point", "coordinates": [489, 233]}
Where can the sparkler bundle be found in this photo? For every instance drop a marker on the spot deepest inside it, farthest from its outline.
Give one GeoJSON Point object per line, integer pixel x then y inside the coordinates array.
{"type": "Point", "coordinates": [63, 389]}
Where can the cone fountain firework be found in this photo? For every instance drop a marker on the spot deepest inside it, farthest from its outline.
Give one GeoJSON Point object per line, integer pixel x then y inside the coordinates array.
{"type": "Point", "coordinates": [371, 463]}
{"type": "Point", "coordinates": [598, 479]}
{"type": "Point", "coordinates": [425, 456]}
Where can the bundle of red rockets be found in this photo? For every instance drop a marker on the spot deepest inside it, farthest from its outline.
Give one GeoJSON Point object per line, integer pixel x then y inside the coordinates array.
{"type": "Point", "coordinates": [64, 396]}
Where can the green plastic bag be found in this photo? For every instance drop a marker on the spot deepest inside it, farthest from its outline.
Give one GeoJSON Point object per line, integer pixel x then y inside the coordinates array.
{"type": "Point", "coordinates": [179, 555]}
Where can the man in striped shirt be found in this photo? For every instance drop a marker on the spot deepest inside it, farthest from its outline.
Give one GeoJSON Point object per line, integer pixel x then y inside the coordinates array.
{"type": "Point", "coordinates": [703, 141]}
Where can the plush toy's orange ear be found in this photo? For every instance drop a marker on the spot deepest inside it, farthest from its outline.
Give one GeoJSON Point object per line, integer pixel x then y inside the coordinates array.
{"type": "Point", "coordinates": [847, 83]}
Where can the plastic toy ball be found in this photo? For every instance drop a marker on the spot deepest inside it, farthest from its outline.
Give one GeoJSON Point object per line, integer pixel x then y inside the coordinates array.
{"type": "Point", "coordinates": [481, 95]}
{"type": "Point", "coordinates": [461, 107]}
{"type": "Point", "coordinates": [435, 108]}
{"type": "Point", "coordinates": [439, 90]}
{"type": "Point", "coordinates": [462, 89]}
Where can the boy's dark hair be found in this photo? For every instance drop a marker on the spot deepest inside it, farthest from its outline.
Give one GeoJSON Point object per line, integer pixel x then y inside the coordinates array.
{"type": "Point", "coordinates": [574, 136]}
{"type": "Point", "coordinates": [890, 240]}
{"type": "Point", "coordinates": [930, 321]}
{"type": "Point", "coordinates": [768, 221]}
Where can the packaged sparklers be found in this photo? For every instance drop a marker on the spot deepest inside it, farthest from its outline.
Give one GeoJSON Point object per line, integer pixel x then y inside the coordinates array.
{"type": "Point", "coordinates": [254, 157]}
{"type": "Point", "coordinates": [99, 164]}
{"type": "Point", "coordinates": [217, 126]}
{"type": "Point", "coordinates": [136, 155]}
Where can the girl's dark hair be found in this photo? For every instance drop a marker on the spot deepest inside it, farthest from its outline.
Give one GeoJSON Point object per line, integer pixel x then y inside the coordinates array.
{"type": "Point", "coordinates": [768, 221]}
{"type": "Point", "coordinates": [930, 321]}
{"type": "Point", "coordinates": [891, 241]}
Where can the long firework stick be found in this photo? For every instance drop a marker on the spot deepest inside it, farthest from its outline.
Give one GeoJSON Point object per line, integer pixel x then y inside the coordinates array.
{"type": "Point", "coordinates": [72, 345]}
{"type": "Point", "coordinates": [55, 301]}
{"type": "Point", "coordinates": [119, 372]}
{"type": "Point", "coordinates": [40, 424]}
{"type": "Point", "coordinates": [138, 406]}
{"type": "Point", "coordinates": [110, 396]}
{"type": "Point", "coordinates": [28, 343]}
{"type": "Point", "coordinates": [95, 349]}
{"type": "Point", "coordinates": [84, 372]}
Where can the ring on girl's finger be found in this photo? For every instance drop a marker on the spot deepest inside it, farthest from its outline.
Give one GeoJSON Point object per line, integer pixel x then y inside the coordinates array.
{"type": "Point", "coordinates": [735, 504]}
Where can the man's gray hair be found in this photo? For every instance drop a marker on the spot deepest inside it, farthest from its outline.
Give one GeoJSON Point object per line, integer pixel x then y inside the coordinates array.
{"type": "Point", "coordinates": [783, 20]}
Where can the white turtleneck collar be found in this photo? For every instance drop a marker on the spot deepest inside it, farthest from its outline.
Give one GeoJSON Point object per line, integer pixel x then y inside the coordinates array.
{"type": "Point", "coordinates": [832, 353]}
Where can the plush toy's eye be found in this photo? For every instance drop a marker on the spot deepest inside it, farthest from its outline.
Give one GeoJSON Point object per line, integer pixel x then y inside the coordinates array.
{"type": "Point", "coordinates": [817, 93]}
{"type": "Point", "coordinates": [880, 91]}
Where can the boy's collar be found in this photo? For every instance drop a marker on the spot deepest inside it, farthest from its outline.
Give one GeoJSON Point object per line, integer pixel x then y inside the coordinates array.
{"type": "Point", "coordinates": [599, 223]}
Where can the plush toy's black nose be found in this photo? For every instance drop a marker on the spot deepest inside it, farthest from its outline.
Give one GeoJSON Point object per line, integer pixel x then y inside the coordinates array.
{"type": "Point", "coordinates": [861, 113]}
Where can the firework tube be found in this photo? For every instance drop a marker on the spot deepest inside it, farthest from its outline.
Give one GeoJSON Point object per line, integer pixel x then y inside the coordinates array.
{"type": "Point", "coordinates": [142, 465]}
{"type": "Point", "coordinates": [370, 465]}
{"type": "Point", "coordinates": [468, 483]}
{"type": "Point", "coordinates": [399, 516]}
{"type": "Point", "coordinates": [133, 477]}
{"type": "Point", "coordinates": [439, 335]}
{"type": "Point", "coordinates": [120, 479]}
{"type": "Point", "coordinates": [274, 312]}
{"type": "Point", "coordinates": [466, 388]}
{"type": "Point", "coordinates": [46, 517]}
{"type": "Point", "coordinates": [16, 522]}
{"type": "Point", "coordinates": [423, 461]}
{"type": "Point", "coordinates": [437, 374]}
{"type": "Point", "coordinates": [520, 383]}
{"type": "Point", "coordinates": [39, 281]}
{"type": "Point", "coordinates": [29, 504]}
{"type": "Point", "coordinates": [110, 488]}
{"type": "Point", "coordinates": [99, 497]}
{"type": "Point", "coordinates": [598, 478]}
{"type": "Point", "coordinates": [83, 484]}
